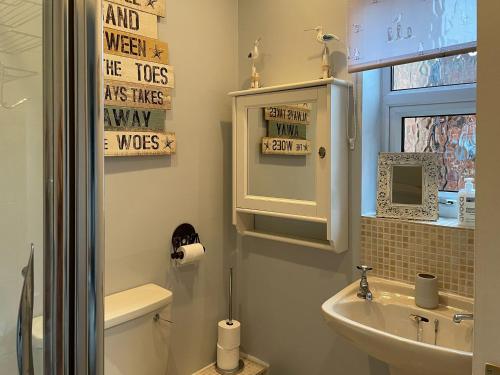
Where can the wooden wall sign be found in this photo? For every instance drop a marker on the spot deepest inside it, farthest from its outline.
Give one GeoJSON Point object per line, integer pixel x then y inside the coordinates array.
{"type": "Point", "coordinates": [131, 119]}
{"type": "Point", "coordinates": [288, 114]}
{"type": "Point", "coordinates": [129, 20]}
{"type": "Point", "coordinates": [283, 130]}
{"type": "Point", "coordinates": [124, 94]}
{"type": "Point", "coordinates": [138, 143]}
{"type": "Point", "coordinates": [125, 69]}
{"type": "Point", "coordinates": [282, 146]}
{"type": "Point", "coordinates": [135, 46]}
{"type": "Point", "coordinates": [138, 80]}
{"type": "Point", "coordinates": [156, 7]}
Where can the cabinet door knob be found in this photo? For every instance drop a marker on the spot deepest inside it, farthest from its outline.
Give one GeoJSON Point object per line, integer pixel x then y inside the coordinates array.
{"type": "Point", "coordinates": [322, 152]}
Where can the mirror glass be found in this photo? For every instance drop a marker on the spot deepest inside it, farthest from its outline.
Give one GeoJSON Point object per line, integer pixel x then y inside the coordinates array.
{"type": "Point", "coordinates": [407, 185]}
{"type": "Point", "coordinates": [281, 151]}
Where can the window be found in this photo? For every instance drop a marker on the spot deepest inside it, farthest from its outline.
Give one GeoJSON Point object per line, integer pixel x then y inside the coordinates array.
{"type": "Point", "coordinates": [446, 71]}
{"type": "Point", "coordinates": [430, 106]}
{"type": "Point", "coordinates": [453, 137]}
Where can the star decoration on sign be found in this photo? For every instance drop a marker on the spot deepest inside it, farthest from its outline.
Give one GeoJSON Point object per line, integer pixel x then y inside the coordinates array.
{"type": "Point", "coordinates": [151, 3]}
{"type": "Point", "coordinates": [305, 147]}
{"type": "Point", "coordinates": [169, 143]}
{"type": "Point", "coordinates": [267, 145]}
{"type": "Point", "coordinates": [157, 52]}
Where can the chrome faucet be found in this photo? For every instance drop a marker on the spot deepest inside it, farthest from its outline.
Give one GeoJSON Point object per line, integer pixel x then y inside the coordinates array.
{"type": "Point", "coordinates": [457, 318]}
{"type": "Point", "coordinates": [364, 289]}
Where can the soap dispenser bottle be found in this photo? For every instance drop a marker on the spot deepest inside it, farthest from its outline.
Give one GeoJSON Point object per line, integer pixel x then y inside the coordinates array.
{"type": "Point", "coordinates": [467, 204]}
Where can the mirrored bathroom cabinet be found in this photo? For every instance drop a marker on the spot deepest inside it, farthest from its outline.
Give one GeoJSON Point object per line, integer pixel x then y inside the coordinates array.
{"type": "Point", "coordinates": [290, 163]}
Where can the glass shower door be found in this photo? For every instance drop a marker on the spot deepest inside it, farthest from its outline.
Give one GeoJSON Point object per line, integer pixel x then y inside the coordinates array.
{"type": "Point", "coordinates": [21, 171]}
{"type": "Point", "coordinates": [51, 173]}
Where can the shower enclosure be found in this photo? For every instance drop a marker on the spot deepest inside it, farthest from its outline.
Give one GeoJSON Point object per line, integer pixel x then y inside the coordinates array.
{"type": "Point", "coordinates": [50, 187]}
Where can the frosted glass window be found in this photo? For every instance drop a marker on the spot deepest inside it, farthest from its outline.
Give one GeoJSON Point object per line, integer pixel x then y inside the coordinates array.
{"type": "Point", "coordinates": [453, 137]}
{"type": "Point", "coordinates": [445, 71]}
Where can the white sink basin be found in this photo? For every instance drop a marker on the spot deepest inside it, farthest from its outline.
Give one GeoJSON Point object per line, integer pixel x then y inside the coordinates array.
{"type": "Point", "coordinates": [383, 328]}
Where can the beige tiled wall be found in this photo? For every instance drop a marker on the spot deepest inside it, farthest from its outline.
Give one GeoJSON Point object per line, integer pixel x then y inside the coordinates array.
{"type": "Point", "coordinates": [398, 250]}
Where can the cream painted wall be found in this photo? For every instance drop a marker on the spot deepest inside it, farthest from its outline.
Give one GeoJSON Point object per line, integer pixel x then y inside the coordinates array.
{"type": "Point", "coordinates": [282, 287]}
{"type": "Point", "coordinates": [289, 53]}
{"type": "Point", "coordinates": [147, 197]}
{"type": "Point", "coordinates": [487, 283]}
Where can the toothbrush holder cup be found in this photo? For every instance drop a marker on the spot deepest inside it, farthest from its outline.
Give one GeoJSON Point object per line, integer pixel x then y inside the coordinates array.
{"type": "Point", "coordinates": [426, 291]}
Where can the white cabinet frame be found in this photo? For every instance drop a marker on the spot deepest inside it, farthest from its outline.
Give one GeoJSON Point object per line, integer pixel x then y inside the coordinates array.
{"type": "Point", "coordinates": [330, 206]}
{"type": "Point", "coordinates": [294, 207]}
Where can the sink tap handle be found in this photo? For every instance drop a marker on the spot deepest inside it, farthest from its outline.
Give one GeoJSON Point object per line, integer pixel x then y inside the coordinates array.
{"type": "Point", "coordinates": [364, 269]}
{"type": "Point", "coordinates": [458, 318]}
{"type": "Point", "coordinates": [364, 289]}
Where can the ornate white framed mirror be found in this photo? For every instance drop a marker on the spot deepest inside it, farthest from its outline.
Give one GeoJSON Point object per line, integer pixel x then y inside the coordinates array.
{"type": "Point", "coordinates": [408, 186]}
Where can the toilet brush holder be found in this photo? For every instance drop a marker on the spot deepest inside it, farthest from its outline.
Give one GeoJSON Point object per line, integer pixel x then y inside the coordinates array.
{"type": "Point", "coordinates": [241, 366]}
{"type": "Point", "coordinates": [426, 291]}
{"type": "Point", "coordinates": [228, 344]}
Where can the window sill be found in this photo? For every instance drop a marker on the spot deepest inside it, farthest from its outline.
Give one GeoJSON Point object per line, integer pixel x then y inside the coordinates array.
{"type": "Point", "coordinates": [445, 222]}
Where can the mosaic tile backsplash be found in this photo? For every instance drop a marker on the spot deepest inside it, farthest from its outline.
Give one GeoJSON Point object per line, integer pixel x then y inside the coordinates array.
{"type": "Point", "coordinates": [398, 250]}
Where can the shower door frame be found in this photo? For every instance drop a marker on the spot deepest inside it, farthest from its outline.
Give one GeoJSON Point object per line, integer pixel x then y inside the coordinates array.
{"type": "Point", "coordinates": [73, 184]}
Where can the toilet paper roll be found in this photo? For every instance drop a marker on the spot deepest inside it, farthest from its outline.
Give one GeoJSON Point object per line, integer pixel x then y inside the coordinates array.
{"type": "Point", "coordinates": [192, 253]}
{"type": "Point", "coordinates": [229, 335]}
{"type": "Point", "coordinates": [228, 359]}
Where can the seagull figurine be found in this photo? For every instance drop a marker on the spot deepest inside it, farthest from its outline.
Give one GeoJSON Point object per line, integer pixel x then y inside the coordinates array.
{"type": "Point", "coordinates": [324, 39]}
{"type": "Point", "coordinates": [254, 56]}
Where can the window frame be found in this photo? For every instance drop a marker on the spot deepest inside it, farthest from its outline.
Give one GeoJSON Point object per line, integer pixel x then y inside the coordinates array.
{"type": "Point", "coordinates": [453, 99]}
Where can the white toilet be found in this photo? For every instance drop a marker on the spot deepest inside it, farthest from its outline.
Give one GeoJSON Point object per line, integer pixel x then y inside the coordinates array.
{"type": "Point", "coordinates": [135, 342]}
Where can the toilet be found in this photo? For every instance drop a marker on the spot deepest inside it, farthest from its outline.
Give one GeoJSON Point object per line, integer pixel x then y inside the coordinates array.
{"type": "Point", "coordinates": [136, 332]}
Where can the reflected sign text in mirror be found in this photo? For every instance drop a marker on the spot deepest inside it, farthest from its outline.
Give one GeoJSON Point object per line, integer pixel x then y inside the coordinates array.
{"type": "Point", "coordinates": [280, 144]}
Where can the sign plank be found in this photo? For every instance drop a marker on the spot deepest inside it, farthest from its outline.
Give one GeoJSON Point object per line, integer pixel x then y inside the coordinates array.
{"type": "Point", "coordinates": [288, 114]}
{"type": "Point", "coordinates": [129, 20]}
{"type": "Point", "coordinates": [156, 7]}
{"type": "Point", "coordinates": [125, 69]}
{"type": "Point", "coordinates": [131, 119]}
{"type": "Point", "coordinates": [139, 143]}
{"type": "Point", "coordinates": [282, 146]}
{"type": "Point", "coordinates": [124, 94]}
{"type": "Point", "coordinates": [283, 130]}
{"type": "Point", "coordinates": [135, 46]}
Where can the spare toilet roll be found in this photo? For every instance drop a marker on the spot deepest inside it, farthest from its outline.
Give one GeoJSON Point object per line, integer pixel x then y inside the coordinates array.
{"type": "Point", "coordinates": [192, 253]}
{"type": "Point", "coordinates": [229, 335]}
{"type": "Point", "coordinates": [228, 359]}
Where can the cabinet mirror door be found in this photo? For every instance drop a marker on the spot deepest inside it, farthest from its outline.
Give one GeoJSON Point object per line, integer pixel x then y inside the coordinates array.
{"type": "Point", "coordinates": [279, 164]}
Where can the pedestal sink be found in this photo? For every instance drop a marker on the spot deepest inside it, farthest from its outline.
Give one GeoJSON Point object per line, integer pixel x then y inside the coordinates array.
{"type": "Point", "coordinates": [386, 328]}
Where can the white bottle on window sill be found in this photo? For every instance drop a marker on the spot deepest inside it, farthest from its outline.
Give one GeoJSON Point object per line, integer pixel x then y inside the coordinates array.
{"type": "Point", "coordinates": [467, 204]}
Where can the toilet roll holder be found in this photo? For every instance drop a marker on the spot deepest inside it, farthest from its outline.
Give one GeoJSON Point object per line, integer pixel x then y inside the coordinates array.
{"type": "Point", "coordinates": [183, 235]}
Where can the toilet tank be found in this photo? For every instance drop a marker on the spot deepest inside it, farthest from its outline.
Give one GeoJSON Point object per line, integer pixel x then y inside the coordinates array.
{"type": "Point", "coordinates": [135, 342]}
